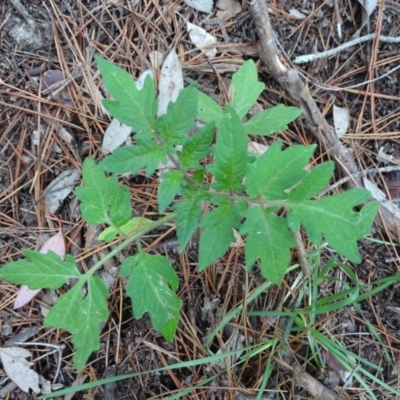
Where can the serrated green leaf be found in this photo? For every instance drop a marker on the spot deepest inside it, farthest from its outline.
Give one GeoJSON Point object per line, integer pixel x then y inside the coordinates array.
{"type": "Point", "coordinates": [334, 219]}
{"type": "Point", "coordinates": [151, 287]}
{"type": "Point", "coordinates": [96, 194]}
{"type": "Point", "coordinates": [41, 271]}
{"type": "Point", "coordinates": [245, 88]}
{"type": "Point", "coordinates": [121, 209]}
{"type": "Point", "coordinates": [132, 107]}
{"type": "Point", "coordinates": [82, 317]}
{"type": "Point", "coordinates": [110, 233]}
{"type": "Point", "coordinates": [128, 266]}
{"type": "Point", "coordinates": [273, 120]}
{"type": "Point", "coordinates": [188, 213]}
{"type": "Point", "coordinates": [94, 312]}
{"type": "Point", "coordinates": [269, 241]}
{"type": "Point", "coordinates": [208, 109]}
{"type": "Point", "coordinates": [217, 234]}
{"type": "Point", "coordinates": [179, 119]}
{"type": "Point", "coordinates": [230, 153]}
{"type": "Point", "coordinates": [198, 147]}
{"type": "Point", "coordinates": [132, 159]}
{"type": "Point", "coordinates": [367, 217]}
{"type": "Point", "coordinates": [313, 183]}
{"type": "Point", "coordinates": [277, 170]}
{"type": "Point", "coordinates": [169, 187]}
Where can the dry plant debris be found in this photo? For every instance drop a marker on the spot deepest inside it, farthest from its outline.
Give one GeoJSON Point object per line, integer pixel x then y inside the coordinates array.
{"type": "Point", "coordinates": [70, 123]}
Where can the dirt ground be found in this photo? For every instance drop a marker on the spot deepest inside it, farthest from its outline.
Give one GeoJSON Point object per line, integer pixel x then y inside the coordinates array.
{"type": "Point", "coordinates": [63, 35]}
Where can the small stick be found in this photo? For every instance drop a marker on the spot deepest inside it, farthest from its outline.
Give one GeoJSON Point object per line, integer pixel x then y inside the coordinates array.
{"type": "Point", "coordinates": [22, 10]}
{"type": "Point", "coordinates": [338, 18]}
{"type": "Point", "coordinates": [312, 385]}
{"type": "Point", "coordinates": [301, 255]}
{"type": "Point", "coordinates": [312, 57]}
{"type": "Point", "coordinates": [371, 171]}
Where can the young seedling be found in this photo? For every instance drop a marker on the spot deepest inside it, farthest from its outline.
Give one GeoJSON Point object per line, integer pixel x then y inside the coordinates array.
{"type": "Point", "coordinates": [247, 193]}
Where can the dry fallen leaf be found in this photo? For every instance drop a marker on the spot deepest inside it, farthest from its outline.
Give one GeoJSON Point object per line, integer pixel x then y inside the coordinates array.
{"type": "Point", "coordinates": [18, 369]}
{"type": "Point", "coordinates": [171, 82]}
{"type": "Point", "coordinates": [200, 5]}
{"type": "Point", "coordinates": [367, 8]}
{"type": "Point", "coordinates": [201, 39]}
{"type": "Point", "coordinates": [56, 192]}
{"type": "Point", "coordinates": [116, 134]}
{"type": "Point", "coordinates": [341, 120]}
{"type": "Point", "coordinates": [228, 9]}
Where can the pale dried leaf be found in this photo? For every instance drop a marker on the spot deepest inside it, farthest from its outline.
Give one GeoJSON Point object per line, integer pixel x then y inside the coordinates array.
{"type": "Point", "coordinates": [367, 8]}
{"type": "Point", "coordinates": [384, 157]}
{"type": "Point", "coordinates": [341, 120]}
{"type": "Point", "coordinates": [57, 191]}
{"type": "Point", "coordinates": [18, 368]}
{"type": "Point", "coordinates": [156, 59]}
{"type": "Point", "coordinates": [257, 148]}
{"type": "Point", "coordinates": [201, 39]}
{"type": "Point", "coordinates": [116, 134]}
{"type": "Point", "coordinates": [200, 5]}
{"type": "Point", "coordinates": [296, 13]}
{"type": "Point", "coordinates": [171, 82]}
{"type": "Point", "coordinates": [239, 242]}
{"type": "Point", "coordinates": [142, 77]}
{"type": "Point", "coordinates": [235, 342]}
{"type": "Point", "coordinates": [378, 195]}
{"type": "Point", "coordinates": [228, 9]}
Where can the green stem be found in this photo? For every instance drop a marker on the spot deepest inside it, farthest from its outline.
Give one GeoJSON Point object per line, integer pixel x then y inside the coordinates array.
{"type": "Point", "coordinates": [247, 199]}
{"type": "Point", "coordinates": [146, 229]}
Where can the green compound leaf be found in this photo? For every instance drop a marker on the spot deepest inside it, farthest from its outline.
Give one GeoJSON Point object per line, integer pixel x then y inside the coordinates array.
{"type": "Point", "coordinates": [41, 271]}
{"type": "Point", "coordinates": [245, 88]}
{"type": "Point", "coordinates": [217, 235]}
{"type": "Point", "coordinates": [120, 210]}
{"type": "Point", "coordinates": [98, 194]}
{"type": "Point", "coordinates": [313, 183]}
{"type": "Point", "coordinates": [198, 147]}
{"type": "Point", "coordinates": [151, 286]}
{"type": "Point", "coordinates": [208, 110]}
{"type": "Point", "coordinates": [277, 170]}
{"type": "Point", "coordinates": [179, 119]}
{"type": "Point", "coordinates": [230, 153]}
{"type": "Point", "coordinates": [133, 107]}
{"type": "Point", "coordinates": [169, 187]}
{"type": "Point", "coordinates": [82, 316]}
{"type": "Point", "coordinates": [134, 224]}
{"type": "Point", "coordinates": [334, 219]}
{"type": "Point", "coordinates": [273, 120]}
{"type": "Point", "coordinates": [269, 241]}
{"type": "Point", "coordinates": [146, 154]}
{"type": "Point", "coordinates": [188, 213]}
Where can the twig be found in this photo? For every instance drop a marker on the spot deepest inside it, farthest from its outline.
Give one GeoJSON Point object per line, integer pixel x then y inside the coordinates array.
{"type": "Point", "coordinates": [312, 385]}
{"type": "Point", "coordinates": [330, 88]}
{"type": "Point", "coordinates": [317, 56]}
{"type": "Point", "coordinates": [301, 255]}
{"type": "Point", "coordinates": [299, 92]}
{"type": "Point", "coordinates": [338, 18]}
{"type": "Point", "coordinates": [22, 10]}
{"type": "Point", "coordinates": [371, 171]}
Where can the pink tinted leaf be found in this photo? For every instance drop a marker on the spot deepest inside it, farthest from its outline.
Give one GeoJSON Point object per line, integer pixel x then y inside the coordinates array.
{"type": "Point", "coordinates": [57, 244]}
{"type": "Point", "coordinates": [24, 296]}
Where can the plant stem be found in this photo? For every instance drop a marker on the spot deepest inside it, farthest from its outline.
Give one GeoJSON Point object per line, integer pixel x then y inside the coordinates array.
{"type": "Point", "coordinates": [148, 228]}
